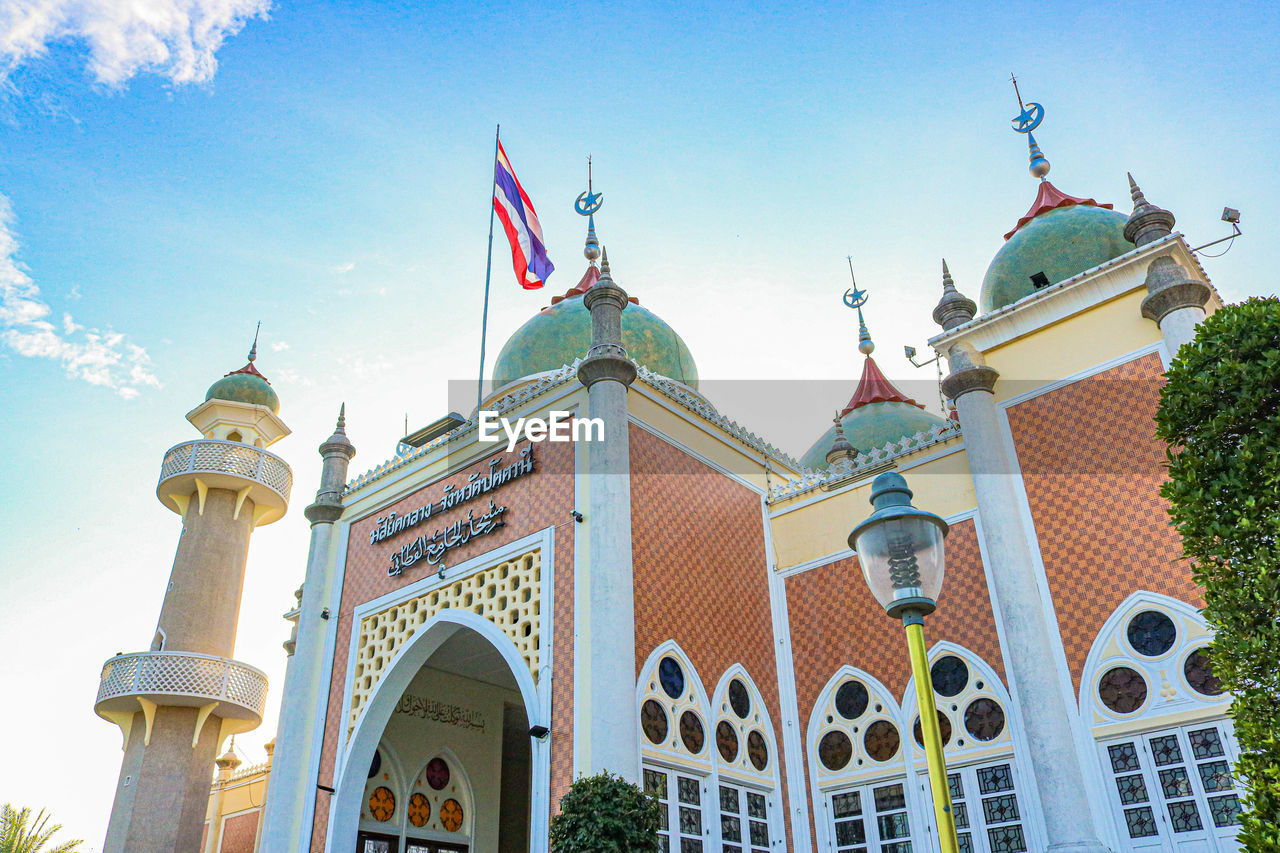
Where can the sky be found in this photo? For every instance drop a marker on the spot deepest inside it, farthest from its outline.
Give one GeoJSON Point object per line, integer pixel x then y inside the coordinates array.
{"type": "Point", "coordinates": [174, 171]}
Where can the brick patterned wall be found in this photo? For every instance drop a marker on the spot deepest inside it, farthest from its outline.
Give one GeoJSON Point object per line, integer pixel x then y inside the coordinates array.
{"type": "Point", "coordinates": [1092, 467]}
{"type": "Point", "coordinates": [534, 501]}
{"type": "Point", "coordinates": [700, 569]}
{"type": "Point", "coordinates": [835, 621]}
{"type": "Point", "coordinates": [239, 833]}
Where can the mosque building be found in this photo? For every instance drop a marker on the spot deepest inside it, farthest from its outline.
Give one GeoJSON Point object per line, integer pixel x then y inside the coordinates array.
{"type": "Point", "coordinates": [677, 603]}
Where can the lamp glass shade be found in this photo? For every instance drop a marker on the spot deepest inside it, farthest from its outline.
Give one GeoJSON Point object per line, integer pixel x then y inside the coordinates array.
{"type": "Point", "coordinates": [902, 557]}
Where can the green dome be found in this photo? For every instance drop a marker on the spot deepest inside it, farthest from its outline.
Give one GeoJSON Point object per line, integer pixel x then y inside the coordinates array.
{"type": "Point", "coordinates": [559, 334]}
{"type": "Point", "coordinates": [243, 387]}
{"type": "Point", "coordinates": [1060, 243]}
{"type": "Point", "coordinates": [872, 426]}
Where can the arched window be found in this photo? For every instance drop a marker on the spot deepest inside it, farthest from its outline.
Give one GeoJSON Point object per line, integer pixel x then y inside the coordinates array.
{"type": "Point", "coordinates": [675, 747]}
{"type": "Point", "coordinates": [974, 718]}
{"type": "Point", "coordinates": [863, 800]}
{"type": "Point", "coordinates": [438, 806]}
{"type": "Point", "coordinates": [381, 811]}
{"type": "Point", "coordinates": [1158, 716]}
{"type": "Point", "coordinates": [750, 819]}
{"type": "Point", "coordinates": [234, 435]}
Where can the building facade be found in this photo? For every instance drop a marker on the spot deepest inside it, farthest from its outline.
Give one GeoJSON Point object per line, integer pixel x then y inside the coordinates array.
{"type": "Point", "coordinates": [676, 601]}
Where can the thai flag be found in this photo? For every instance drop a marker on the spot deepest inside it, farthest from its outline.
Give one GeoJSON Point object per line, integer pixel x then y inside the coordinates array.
{"type": "Point", "coordinates": [528, 251]}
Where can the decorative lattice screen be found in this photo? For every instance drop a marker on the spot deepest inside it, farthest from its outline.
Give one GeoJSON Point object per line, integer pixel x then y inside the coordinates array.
{"type": "Point", "coordinates": [505, 594]}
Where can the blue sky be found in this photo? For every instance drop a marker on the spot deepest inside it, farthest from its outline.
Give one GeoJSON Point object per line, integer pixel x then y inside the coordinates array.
{"type": "Point", "coordinates": [325, 170]}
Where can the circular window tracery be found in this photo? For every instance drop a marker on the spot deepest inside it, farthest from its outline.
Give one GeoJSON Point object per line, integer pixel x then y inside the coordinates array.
{"type": "Point", "coordinates": [382, 804]}
{"type": "Point", "coordinates": [835, 750]}
{"type": "Point", "coordinates": [1151, 633]}
{"type": "Point", "coordinates": [671, 677]}
{"type": "Point", "coordinates": [949, 675]}
{"type": "Point", "coordinates": [653, 721]}
{"type": "Point", "coordinates": [727, 741]}
{"type": "Point", "coordinates": [437, 773]}
{"type": "Point", "coordinates": [1198, 669]}
{"type": "Point", "coordinates": [984, 719]}
{"type": "Point", "coordinates": [691, 733]}
{"type": "Point", "coordinates": [852, 700]}
{"type": "Point", "coordinates": [451, 815]}
{"type": "Point", "coordinates": [739, 698]}
{"type": "Point", "coordinates": [881, 740]}
{"type": "Point", "coordinates": [757, 750]}
{"type": "Point", "coordinates": [1122, 690]}
{"type": "Point", "coordinates": [419, 810]}
{"type": "Point", "coordinates": [944, 729]}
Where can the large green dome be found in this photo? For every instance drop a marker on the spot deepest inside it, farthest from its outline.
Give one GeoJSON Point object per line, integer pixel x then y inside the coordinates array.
{"type": "Point", "coordinates": [245, 385]}
{"type": "Point", "coordinates": [557, 335]}
{"type": "Point", "coordinates": [1061, 242]}
{"type": "Point", "coordinates": [871, 427]}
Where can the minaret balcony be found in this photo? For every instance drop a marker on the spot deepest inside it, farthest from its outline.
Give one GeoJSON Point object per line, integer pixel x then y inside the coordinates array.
{"type": "Point", "coordinates": [193, 467]}
{"type": "Point", "coordinates": [144, 681]}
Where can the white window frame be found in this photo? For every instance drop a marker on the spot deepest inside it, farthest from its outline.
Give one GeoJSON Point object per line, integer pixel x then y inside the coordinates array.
{"type": "Point", "coordinates": [870, 817]}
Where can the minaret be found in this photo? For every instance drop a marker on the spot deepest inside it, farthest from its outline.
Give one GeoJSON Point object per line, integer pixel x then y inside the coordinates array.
{"type": "Point", "coordinates": [291, 789]}
{"type": "Point", "coordinates": [177, 702]}
{"type": "Point", "coordinates": [608, 711]}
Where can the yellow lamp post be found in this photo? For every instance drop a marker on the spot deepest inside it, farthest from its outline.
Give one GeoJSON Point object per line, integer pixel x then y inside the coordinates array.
{"type": "Point", "coordinates": [900, 549]}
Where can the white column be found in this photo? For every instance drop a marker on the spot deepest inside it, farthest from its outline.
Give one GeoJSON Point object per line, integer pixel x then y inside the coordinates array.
{"type": "Point", "coordinates": [1179, 327]}
{"type": "Point", "coordinates": [1060, 779]}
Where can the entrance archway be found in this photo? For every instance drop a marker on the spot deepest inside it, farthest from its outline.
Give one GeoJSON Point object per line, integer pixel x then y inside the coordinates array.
{"type": "Point", "coordinates": [455, 703]}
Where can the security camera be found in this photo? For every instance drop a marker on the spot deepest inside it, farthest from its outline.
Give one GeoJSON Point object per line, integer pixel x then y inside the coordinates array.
{"type": "Point", "coordinates": [1230, 214]}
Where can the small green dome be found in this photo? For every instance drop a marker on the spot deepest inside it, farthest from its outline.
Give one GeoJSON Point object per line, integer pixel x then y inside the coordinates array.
{"type": "Point", "coordinates": [1060, 243]}
{"type": "Point", "coordinates": [559, 334]}
{"type": "Point", "coordinates": [245, 387]}
{"type": "Point", "coordinates": [872, 426]}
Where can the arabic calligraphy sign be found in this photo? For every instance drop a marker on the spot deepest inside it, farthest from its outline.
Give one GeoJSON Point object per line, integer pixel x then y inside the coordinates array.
{"type": "Point", "coordinates": [440, 712]}
{"type": "Point", "coordinates": [433, 548]}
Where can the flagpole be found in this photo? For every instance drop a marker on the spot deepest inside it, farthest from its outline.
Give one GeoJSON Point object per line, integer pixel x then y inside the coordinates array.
{"type": "Point", "coordinates": [488, 270]}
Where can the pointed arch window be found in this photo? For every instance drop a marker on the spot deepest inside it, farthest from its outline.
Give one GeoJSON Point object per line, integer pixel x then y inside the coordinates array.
{"type": "Point", "coordinates": [1158, 717]}
{"type": "Point", "coordinates": [749, 815]}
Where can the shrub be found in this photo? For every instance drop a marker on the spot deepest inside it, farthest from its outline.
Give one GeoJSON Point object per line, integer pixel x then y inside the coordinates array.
{"type": "Point", "coordinates": [1220, 414]}
{"type": "Point", "coordinates": [605, 814]}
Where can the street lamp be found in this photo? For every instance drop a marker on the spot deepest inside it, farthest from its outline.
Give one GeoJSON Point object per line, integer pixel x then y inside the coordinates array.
{"type": "Point", "coordinates": [900, 549]}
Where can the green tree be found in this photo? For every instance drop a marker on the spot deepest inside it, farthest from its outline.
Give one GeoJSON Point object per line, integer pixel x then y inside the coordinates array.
{"type": "Point", "coordinates": [1220, 414]}
{"type": "Point", "coordinates": [605, 814]}
{"type": "Point", "coordinates": [21, 833]}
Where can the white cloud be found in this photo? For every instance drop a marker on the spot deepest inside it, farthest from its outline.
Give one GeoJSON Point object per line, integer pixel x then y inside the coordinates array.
{"type": "Point", "coordinates": [177, 39]}
{"type": "Point", "coordinates": [343, 268]}
{"type": "Point", "coordinates": [98, 357]}
{"type": "Point", "coordinates": [280, 346]}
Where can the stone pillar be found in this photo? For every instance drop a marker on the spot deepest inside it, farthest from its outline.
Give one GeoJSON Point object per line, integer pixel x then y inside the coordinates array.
{"type": "Point", "coordinates": [1175, 302]}
{"type": "Point", "coordinates": [289, 789]}
{"type": "Point", "coordinates": [609, 709]}
{"type": "Point", "coordinates": [1054, 760]}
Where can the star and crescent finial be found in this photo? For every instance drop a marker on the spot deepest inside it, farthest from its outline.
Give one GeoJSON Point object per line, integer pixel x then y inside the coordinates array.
{"type": "Point", "coordinates": [1028, 119]}
{"type": "Point", "coordinates": [856, 298]}
{"type": "Point", "coordinates": [586, 205]}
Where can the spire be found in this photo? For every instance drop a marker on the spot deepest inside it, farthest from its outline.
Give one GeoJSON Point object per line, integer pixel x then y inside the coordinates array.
{"type": "Point", "coordinates": [604, 265]}
{"type": "Point", "coordinates": [855, 298]}
{"type": "Point", "coordinates": [341, 428]}
{"type": "Point", "coordinates": [253, 350]}
{"type": "Point", "coordinates": [249, 368]}
{"type": "Point", "coordinates": [873, 387]}
{"type": "Point", "coordinates": [587, 205]}
{"type": "Point", "coordinates": [1148, 222]}
{"type": "Point", "coordinates": [954, 308]}
{"type": "Point", "coordinates": [840, 447]}
{"type": "Point", "coordinates": [1039, 166]}
{"type": "Point", "coordinates": [339, 441]}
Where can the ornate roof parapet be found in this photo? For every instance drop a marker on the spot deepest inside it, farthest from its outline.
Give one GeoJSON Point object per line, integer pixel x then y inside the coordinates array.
{"type": "Point", "coordinates": [866, 461]}
{"type": "Point", "coordinates": [699, 405]}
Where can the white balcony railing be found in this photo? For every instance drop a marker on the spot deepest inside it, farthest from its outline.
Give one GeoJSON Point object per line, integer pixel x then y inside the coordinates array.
{"type": "Point", "coordinates": [226, 464]}
{"type": "Point", "coordinates": [183, 678]}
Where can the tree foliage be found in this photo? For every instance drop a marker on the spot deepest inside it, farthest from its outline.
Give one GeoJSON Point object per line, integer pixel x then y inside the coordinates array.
{"type": "Point", "coordinates": [605, 814]}
{"type": "Point", "coordinates": [20, 832]}
{"type": "Point", "coordinates": [1220, 414]}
